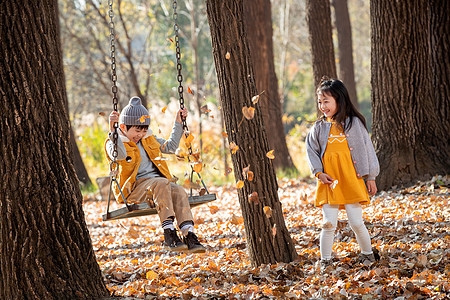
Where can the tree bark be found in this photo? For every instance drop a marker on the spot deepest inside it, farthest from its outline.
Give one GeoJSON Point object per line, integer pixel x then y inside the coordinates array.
{"type": "Point", "coordinates": [46, 251]}
{"type": "Point", "coordinates": [268, 239]}
{"type": "Point", "coordinates": [407, 129]}
{"type": "Point", "coordinates": [345, 53]}
{"type": "Point", "coordinates": [258, 21]}
{"type": "Point", "coordinates": [318, 18]}
{"type": "Point", "coordinates": [440, 62]}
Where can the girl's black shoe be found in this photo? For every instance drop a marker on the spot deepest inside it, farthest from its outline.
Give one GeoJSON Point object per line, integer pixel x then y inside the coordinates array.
{"type": "Point", "coordinates": [193, 244]}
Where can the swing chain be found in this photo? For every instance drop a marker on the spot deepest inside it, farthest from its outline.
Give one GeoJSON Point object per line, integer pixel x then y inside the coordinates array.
{"type": "Point", "coordinates": [114, 165]}
{"type": "Point", "coordinates": [179, 67]}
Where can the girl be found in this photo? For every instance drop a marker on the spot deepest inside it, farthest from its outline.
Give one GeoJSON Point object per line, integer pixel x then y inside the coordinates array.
{"type": "Point", "coordinates": [340, 154]}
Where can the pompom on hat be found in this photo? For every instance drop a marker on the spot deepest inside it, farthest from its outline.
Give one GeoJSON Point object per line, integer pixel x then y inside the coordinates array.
{"type": "Point", "coordinates": [132, 113]}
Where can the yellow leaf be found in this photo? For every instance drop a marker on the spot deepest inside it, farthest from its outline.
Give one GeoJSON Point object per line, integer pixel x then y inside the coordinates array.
{"type": "Point", "coordinates": [151, 275]}
{"type": "Point", "coordinates": [189, 140]}
{"type": "Point", "coordinates": [164, 109]}
{"type": "Point", "coordinates": [240, 184]}
{"type": "Point", "coordinates": [234, 147]}
{"type": "Point", "coordinates": [227, 55]}
{"type": "Point", "coordinates": [197, 167]}
{"type": "Point", "coordinates": [268, 211]}
{"type": "Point", "coordinates": [249, 112]}
{"type": "Point", "coordinates": [142, 119]}
{"type": "Point", "coordinates": [270, 154]}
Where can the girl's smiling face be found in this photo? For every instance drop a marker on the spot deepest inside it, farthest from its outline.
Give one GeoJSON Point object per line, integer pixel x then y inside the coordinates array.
{"type": "Point", "coordinates": [327, 104]}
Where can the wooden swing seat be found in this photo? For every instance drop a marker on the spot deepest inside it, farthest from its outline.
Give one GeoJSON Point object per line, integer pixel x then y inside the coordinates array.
{"type": "Point", "coordinates": [143, 209]}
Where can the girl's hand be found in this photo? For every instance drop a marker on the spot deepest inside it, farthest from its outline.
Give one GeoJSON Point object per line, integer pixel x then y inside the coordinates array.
{"type": "Point", "coordinates": [371, 187]}
{"type": "Point", "coordinates": [181, 112]}
{"type": "Point", "coordinates": [325, 178]}
{"type": "Point", "coordinates": [113, 118]}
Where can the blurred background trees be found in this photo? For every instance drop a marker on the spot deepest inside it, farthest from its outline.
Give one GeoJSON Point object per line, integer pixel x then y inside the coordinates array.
{"type": "Point", "coordinates": [145, 58]}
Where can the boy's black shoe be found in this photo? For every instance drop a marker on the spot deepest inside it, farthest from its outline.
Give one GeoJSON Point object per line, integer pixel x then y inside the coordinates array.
{"type": "Point", "coordinates": [172, 242]}
{"type": "Point", "coordinates": [193, 244]}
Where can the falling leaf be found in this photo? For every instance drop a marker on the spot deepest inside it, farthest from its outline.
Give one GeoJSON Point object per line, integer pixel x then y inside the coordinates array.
{"type": "Point", "coordinates": [233, 147]}
{"type": "Point", "coordinates": [274, 230]}
{"type": "Point", "coordinates": [101, 114]}
{"type": "Point", "coordinates": [188, 184]}
{"type": "Point", "coordinates": [202, 192]}
{"type": "Point", "coordinates": [255, 99]}
{"type": "Point", "coordinates": [189, 140]}
{"type": "Point", "coordinates": [164, 109]}
{"type": "Point", "coordinates": [227, 55]}
{"type": "Point", "coordinates": [190, 91]}
{"type": "Point", "coordinates": [228, 171]}
{"type": "Point", "coordinates": [204, 109]}
{"type": "Point", "coordinates": [268, 211]}
{"type": "Point", "coordinates": [195, 156]}
{"type": "Point", "coordinates": [220, 107]}
{"type": "Point", "coordinates": [197, 167]}
{"type": "Point", "coordinates": [270, 154]}
{"type": "Point", "coordinates": [170, 40]}
{"type": "Point", "coordinates": [239, 184]}
{"type": "Point", "coordinates": [249, 112]}
{"type": "Point", "coordinates": [250, 176]}
{"type": "Point", "coordinates": [163, 146]}
{"type": "Point", "coordinates": [224, 134]}
{"type": "Point", "coordinates": [142, 118]}
{"type": "Point", "coordinates": [253, 198]}
{"type": "Point", "coordinates": [245, 171]}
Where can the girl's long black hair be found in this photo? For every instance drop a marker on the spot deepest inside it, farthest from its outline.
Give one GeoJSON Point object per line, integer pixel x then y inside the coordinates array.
{"type": "Point", "coordinates": [336, 89]}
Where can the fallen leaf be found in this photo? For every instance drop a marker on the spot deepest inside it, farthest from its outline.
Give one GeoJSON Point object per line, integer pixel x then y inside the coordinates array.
{"type": "Point", "coordinates": [213, 209]}
{"type": "Point", "coordinates": [151, 275]}
{"type": "Point", "coordinates": [236, 220]}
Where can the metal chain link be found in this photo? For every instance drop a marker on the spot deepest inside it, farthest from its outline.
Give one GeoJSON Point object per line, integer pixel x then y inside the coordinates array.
{"type": "Point", "coordinates": [114, 167]}
{"type": "Point", "coordinates": [179, 67]}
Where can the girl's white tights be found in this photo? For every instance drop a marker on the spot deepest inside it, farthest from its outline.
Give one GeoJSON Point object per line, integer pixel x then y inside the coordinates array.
{"type": "Point", "coordinates": [330, 216]}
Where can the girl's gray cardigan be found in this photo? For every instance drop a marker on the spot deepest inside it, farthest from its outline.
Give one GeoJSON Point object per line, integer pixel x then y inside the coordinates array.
{"type": "Point", "coordinates": [361, 149]}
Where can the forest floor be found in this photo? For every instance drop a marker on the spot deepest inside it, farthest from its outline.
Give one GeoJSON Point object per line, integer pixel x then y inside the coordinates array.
{"type": "Point", "coordinates": [410, 227]}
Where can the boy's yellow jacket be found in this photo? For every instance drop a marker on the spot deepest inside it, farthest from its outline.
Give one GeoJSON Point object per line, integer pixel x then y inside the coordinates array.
{"type": "Point", "coordinates": [128, 167]}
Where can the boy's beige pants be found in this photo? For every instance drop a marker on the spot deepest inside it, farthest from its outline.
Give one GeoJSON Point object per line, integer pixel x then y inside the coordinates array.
{"type": "Point", "coordinates": [170, 199]}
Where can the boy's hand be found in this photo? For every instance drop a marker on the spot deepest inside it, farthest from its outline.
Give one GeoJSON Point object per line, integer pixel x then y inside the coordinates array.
{"type": "Point", "coordinates": [371, 187]}
{"type": "Point", "coordinates": [113, 118]}
{"type": "Point", "coordinates": [325, 178]}
{"type": "Point", "coordinates": [181, 112]}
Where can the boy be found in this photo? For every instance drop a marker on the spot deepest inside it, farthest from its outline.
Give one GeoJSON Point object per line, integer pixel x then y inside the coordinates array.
{"type": "Point", "coordinates": [144, 176]}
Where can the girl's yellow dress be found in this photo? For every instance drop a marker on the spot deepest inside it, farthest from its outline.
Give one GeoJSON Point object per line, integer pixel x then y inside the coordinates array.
{"type": "Point", "coordinates": [337, 162]}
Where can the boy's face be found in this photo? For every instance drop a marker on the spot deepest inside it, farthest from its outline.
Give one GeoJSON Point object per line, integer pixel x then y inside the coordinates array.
{"type": "Point", "coordinates": [135, 134]}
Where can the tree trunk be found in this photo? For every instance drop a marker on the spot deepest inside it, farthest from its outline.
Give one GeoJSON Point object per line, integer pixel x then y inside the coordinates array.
{"type": "Point", "coordinates": [267, 238]}
{"type": "Point", "coordinates": [318, 18]}
{"type": "Point", "coordinates": [46, 251]}
{"type": "Point", "coordinates": [344, 33]}
{"type": "Point", "coordinates": [440, 62]}
{"type": "Point", "coordinates": [407, 129]}
{"type": "Point", "coordinates": [258, 21]}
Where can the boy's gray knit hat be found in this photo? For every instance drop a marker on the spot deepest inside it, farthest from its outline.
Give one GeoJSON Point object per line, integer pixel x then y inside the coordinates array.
{"type": "Point", "coordinates": [132, 113]}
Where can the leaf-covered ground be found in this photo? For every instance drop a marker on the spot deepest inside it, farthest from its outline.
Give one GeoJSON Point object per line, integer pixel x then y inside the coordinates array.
{"type": "Point", "coordinates": [410, 228]}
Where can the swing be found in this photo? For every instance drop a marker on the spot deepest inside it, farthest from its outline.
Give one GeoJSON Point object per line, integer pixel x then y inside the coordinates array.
{"type": "Point", "coordinates": [143, 208]}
